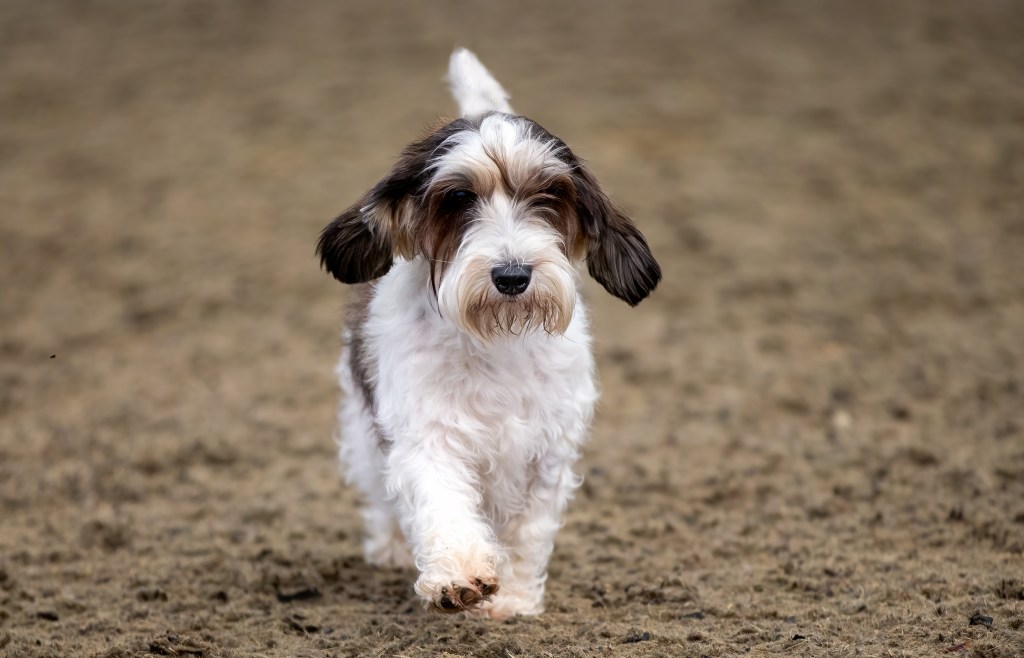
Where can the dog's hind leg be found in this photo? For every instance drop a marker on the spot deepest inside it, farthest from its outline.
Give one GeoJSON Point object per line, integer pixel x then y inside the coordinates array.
{"type": "Point", "coordinates": [360, 449]}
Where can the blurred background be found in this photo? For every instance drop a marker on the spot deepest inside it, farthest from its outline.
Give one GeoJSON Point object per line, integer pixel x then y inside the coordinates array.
{"type": "Point", "coordinates": [811, 438]}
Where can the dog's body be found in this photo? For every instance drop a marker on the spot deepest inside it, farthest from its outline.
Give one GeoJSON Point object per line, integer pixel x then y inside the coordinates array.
{"type": "Point", "coordinates": [467, 371]}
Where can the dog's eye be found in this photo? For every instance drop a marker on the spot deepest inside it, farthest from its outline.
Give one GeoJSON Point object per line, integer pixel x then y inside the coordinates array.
{"type": "Point", "coordinates": [458, 199]}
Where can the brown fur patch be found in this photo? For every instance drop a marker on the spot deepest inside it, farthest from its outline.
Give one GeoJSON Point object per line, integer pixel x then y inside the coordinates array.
{"type": "Point", "coordinates": [617, 254]}
{"type": "Point", "coordinates": [442, 224]}
{"type": "Point", "coordinates": [554, 199]}
{"type": "Point", "coordinates": [359, 360]}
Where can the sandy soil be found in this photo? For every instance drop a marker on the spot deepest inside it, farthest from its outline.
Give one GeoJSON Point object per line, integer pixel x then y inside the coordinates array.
{"type": "Point", "coordinates": [811, 440]}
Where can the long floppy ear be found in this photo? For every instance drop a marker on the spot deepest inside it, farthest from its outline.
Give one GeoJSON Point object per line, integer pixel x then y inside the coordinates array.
{"type": "Point", "coordinates": [617, 253]}
{"type": "Point", "coordinates": [354, 249]}
{"type": "Point", "coordinates": [361, 243]}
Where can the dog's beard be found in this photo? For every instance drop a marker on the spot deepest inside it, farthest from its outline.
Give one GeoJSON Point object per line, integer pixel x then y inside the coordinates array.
{"type": "Point", "coordinates": [467, 295]}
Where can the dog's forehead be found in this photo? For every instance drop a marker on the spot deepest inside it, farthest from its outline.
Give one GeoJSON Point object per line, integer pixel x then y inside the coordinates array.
{"type": "Point", "coordinates": [502, 151]}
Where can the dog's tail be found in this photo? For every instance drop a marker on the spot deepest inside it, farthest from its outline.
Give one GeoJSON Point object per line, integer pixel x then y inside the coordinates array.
{"type": "Point", "coordinates": [474, 88]}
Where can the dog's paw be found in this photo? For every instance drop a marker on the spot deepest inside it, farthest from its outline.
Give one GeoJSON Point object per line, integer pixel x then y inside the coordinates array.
{"type": "Point", "coordinates": [457, 598]}
{"type": "Point", "coordinates": [513, 603]}
{"type": "Point", "coordinates": [457, 593]}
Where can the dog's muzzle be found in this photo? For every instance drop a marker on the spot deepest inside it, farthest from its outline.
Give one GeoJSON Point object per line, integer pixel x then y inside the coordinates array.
{"type": "Point", "coordinates": [511, 279]}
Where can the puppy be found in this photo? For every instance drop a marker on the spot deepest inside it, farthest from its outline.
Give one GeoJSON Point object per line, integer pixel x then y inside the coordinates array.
{"type": "Point", "coordinates": [467, 373]}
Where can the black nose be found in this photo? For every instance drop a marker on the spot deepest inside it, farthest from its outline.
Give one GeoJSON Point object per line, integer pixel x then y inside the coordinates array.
{"type": "Point", "coordinates": [511, 279]}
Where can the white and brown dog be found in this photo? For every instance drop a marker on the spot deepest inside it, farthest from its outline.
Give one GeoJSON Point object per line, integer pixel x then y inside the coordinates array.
{"type": "Point", "coordinates": [467, 371]}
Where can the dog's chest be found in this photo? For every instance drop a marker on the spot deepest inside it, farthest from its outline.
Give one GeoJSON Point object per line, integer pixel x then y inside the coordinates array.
{"type": "Point", "coordinates": [518, 395]}
{"type": "Point", "coordinates": [524, 393]}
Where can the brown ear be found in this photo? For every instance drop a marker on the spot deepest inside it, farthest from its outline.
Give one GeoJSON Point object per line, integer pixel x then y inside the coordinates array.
{"type": "Point", "coordinates": [617, 253]}
{"type": "Point", "coordinates": [352, 251]}
{"type": "Point", "coordinates": [361, 243]}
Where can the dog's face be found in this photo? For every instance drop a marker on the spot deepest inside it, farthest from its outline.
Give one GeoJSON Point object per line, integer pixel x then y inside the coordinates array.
{"type": "Point", "coordinates": [502, 211]}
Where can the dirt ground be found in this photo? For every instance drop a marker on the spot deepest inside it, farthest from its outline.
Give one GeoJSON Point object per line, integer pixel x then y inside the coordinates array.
{"type": "Point", "coordinates": [811, 438]}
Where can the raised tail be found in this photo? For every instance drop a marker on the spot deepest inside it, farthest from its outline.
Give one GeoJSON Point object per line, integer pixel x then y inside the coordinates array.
{"type": "Point", "coordinates": [474, 88]}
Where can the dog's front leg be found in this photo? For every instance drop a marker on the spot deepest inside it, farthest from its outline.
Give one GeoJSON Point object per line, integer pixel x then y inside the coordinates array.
{"type": "Point", "coordinates": [530, 536]}
{"type": "Point", "coordinates": [439, 509]}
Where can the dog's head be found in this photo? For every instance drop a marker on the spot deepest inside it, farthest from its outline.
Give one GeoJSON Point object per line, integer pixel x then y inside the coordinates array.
{"type": "Point", "coordinates": [502, 211]}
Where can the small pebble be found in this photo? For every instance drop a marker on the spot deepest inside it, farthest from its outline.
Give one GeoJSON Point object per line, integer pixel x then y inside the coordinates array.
{"type": "Point", "coordinates": [841, 419]}
{"type": "Point", "coordinates": [637, 637]}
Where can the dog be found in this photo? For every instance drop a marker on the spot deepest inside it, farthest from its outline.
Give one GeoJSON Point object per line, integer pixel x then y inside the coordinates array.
{"type": "Point", "coordinates": [467, 375]}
